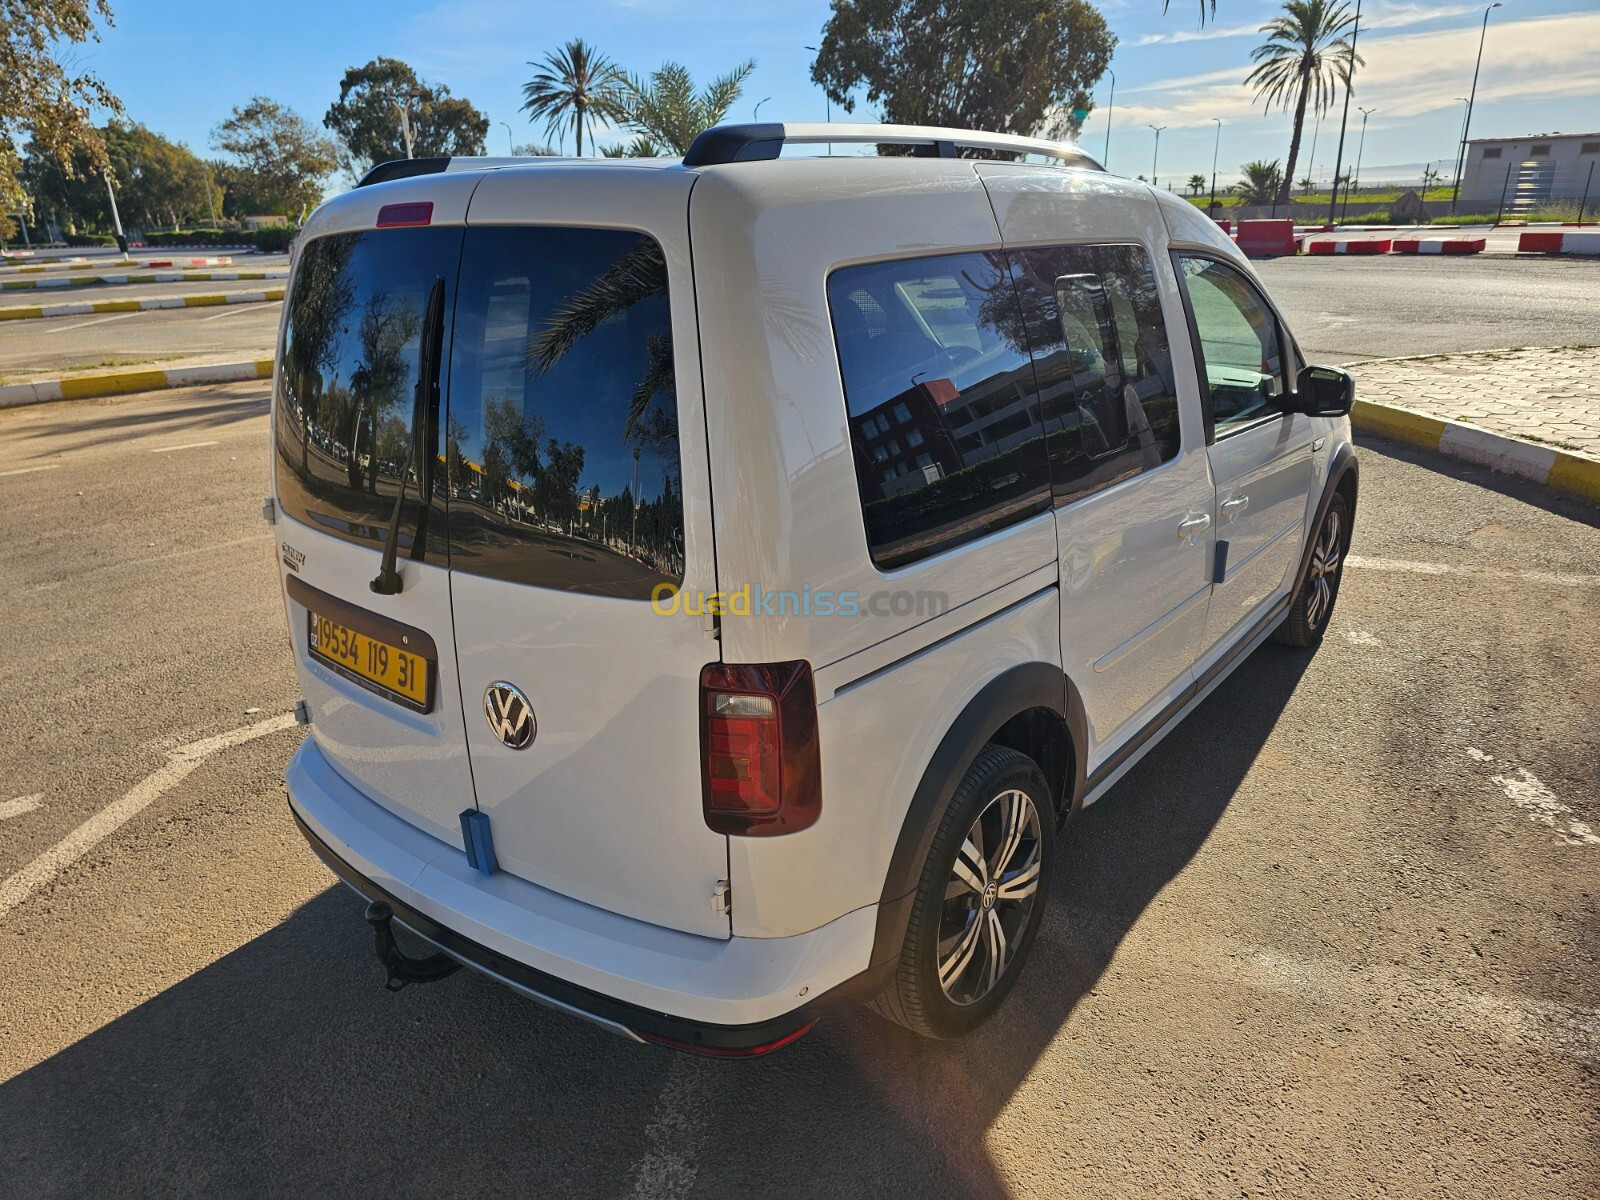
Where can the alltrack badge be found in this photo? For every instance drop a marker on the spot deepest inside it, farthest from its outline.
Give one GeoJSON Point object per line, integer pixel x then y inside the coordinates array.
{"type": "Point", "coordinates": [510, 715]}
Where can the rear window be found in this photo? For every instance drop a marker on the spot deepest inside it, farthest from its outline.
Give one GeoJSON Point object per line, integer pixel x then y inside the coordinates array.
{"type": "Point", "coordinates": [944, 420]}
{"type": "Point", "coordinates": [561, 444]}
{"type": "Point", "coordinates": [348, 380]}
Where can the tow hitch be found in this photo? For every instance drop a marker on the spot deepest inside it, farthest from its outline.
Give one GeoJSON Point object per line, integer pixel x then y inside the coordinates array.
{"type": "Point", "coordinates": [403, 970]}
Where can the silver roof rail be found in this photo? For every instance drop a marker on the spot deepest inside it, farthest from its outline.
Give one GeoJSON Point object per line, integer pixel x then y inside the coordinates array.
{"type": "Point", "coordinates": [751, 143]}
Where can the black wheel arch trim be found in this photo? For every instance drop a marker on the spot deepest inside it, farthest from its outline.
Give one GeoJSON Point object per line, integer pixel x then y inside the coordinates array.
{"type": "Point", "coordinates": [1014, 691]}
{"type": "Point", "coordinates": [1344, 466]}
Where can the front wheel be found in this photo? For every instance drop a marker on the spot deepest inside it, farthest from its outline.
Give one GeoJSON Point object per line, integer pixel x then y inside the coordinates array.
{"type": "Point", "coordinates": [1308, 616]}
{"type": "Point", "coordinates": [979, 900]}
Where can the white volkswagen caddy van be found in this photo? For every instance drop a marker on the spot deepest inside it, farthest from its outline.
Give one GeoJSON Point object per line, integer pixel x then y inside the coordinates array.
{"type": "Point", "coordinates": [715, 582]}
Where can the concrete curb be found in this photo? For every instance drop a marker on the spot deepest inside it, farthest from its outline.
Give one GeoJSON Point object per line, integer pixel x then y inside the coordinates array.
{"type": "Point", "coordinates": [33, 312]}
{"type": "Point", "coordinates": [1570, 473]}
{"type": "Point", "coordinates": [121, 383]}
{"type": "Point", "coordinates": [56, 281]}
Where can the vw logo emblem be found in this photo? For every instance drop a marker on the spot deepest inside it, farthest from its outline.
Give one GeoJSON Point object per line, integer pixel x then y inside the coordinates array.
{"type": "Point", "coordinates": [510, 715]}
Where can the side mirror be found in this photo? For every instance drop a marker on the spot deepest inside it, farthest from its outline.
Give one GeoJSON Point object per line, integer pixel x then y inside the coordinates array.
{"type": "Point", "coordinates": [1325, 391]}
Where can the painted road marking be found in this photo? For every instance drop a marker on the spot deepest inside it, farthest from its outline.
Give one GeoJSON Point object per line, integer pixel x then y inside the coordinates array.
{"type": "Point", "coordinates": [675, 1133]}
{"type": "Point", "coordinates": [1362, 562]}
{"type": "Point", "coordinates": [31, 470]}
{"type": "Point", "coordinates": [86, 324]}
{"type": "Point", "coordinates": [22, 804]}
{"type": "Point", "coordinates": [180, 762]}
{"type": "Point", "coordinates": [243, 312]}
{"type": "Point", "coordinates": [185, 446]}
{"type": "Point", "coordinates": [1528, 792]}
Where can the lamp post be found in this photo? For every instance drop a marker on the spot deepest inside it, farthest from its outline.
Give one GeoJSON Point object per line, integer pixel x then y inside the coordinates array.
{"type": "Point", "coordinates": [756, 115]}
{"type": "Point", "coordinates": [1349, 83]}
{"type": "Point", "coordinates": [1111, 107]}
{"type": "Point", "coordinates": [116, 219]}
{"type": "Point", "coordinates": [827, 100]}
{"type": "Point", "coordinates": [1360, 149]}
{"type": "Point", "coordinates": [1211, 209]}
{"type": "Point", "coordinates": [1461, 158]}
{"type": "Point", "coordinates": [1156, 155]}
{"type": "Point", "coordinates": [404, 110]}
{"type": "Point", "coordinates": [511, 144]}
{"type": "Point", "coordinates": [1464, 102]}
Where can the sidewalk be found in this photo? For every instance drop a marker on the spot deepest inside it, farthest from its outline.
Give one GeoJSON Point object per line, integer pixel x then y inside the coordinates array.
{"type": "Point", "coordinates": [1532, 412]}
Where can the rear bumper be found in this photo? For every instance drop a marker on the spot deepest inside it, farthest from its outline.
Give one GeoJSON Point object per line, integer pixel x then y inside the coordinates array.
{"type": "Point", "coordinates": [644, 981]}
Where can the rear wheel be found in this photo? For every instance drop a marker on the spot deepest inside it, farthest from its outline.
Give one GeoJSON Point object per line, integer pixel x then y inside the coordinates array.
{"type": "Point", "coordinates": [979, 900]}
{"type": "Point", "coordinates": [1308, 617]}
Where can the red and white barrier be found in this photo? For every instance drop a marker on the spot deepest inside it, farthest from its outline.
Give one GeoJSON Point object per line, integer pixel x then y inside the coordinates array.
{"type": "Point", "coordinates": [1374, 246]}
{"type": "Point", "coordinates": [1559, 243]}
{"type": "Point", "coordinates": [1267, 239]}
{"type": "Point", "coordinates": [1440, 245]}
{"type": "Point", "coordinates": [219, 261]}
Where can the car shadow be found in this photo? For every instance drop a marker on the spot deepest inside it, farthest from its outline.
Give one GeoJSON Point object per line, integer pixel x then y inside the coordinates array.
{"type": "Point", "coordinates": [110, 426]}
{"type": "Point", "coordinates": [1536, 495]}
{"type": "Point", "coordinates": [284, 1068]}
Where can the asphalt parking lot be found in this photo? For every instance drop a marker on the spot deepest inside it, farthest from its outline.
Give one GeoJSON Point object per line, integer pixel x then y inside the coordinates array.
{"type": "Point", "coordinates": [1334, 937]}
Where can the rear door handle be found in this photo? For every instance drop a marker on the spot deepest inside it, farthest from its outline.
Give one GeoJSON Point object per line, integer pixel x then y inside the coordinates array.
{"type": "Point", "coordinates": [1232, 508]}
{"type": "Point", "coordinates": [1194, 526]}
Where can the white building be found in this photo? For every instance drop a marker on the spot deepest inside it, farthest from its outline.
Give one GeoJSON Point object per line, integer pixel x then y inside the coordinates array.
{"type": "Point", "coordinates": [1531, 170]}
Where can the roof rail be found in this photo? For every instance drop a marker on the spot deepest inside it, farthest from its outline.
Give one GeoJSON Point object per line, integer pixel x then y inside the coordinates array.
{"type": "Point", "coordinates": [406, 168]}
{"type": "Point", "coordinates": [751, 143]}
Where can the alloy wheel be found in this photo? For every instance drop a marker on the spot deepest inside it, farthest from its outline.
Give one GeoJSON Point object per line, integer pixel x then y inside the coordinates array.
{"type": "Point", "coordinates": [1327, 556]}
{"type": "Point", "coordinates": [989, 897]}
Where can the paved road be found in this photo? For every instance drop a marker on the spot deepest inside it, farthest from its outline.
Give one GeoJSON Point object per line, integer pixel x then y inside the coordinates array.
{"type": "Point", "coordinates": [1335, 937]}
{"type": "Point", "coordinates": [143, 291]}
{"type": "Point", "coordinates": [44, 349]}
{"type": "Point", "coordinates": [1351, 308]}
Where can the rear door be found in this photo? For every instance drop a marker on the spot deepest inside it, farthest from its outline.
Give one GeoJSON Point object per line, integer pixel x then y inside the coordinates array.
{"type": "Point", "coordinates": [350, 431]}
{"type": "Point", "coordinates": [576, 468]}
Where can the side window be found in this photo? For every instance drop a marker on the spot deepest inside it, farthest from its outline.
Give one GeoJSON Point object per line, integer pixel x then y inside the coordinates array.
{"type": "Point", "coordinates": [1103, 361]}
{"type": "Point", "coordinates": [560, 450]}
{"type": "Point", "coordinates": [1240, 352]}
{"type": "Point", "coordinates": [943, 412]}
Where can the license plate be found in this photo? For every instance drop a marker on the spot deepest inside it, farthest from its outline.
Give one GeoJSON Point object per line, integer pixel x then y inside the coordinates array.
{"type": "Point", "coordinates": [385, 669]}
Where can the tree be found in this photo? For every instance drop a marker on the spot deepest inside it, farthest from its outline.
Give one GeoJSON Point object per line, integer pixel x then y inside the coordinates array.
{"type": "Point", "coordinates": [1261, 182]}
{"type": "Point", "coordinates": [1197, 184]}
{"type": "Point", "coordinates": [1204, 4]}
{"type": "Point", "coordinates": [534, 150]}
{"type": "Point", "coordinates": [366, 117]}
{"type": "Point", "coordinates": [158, 182]}
{"type": "Point", "coordinates": [1000, 65]}
{"type": "Point", "coordinates": [640, 147]}
{"type": "Point", "coordinates": [43, 97]}
{"type": "Point", "coordinates": [667, 111]}
{"type": "Point", "coordinates": [282, 159]}
{"type": "Point", "coordinates": [1304, 59]}
{"type": "Point", "coordinates": [1307, 184]}
{"type": "Point", "coordinates": [573, 86]}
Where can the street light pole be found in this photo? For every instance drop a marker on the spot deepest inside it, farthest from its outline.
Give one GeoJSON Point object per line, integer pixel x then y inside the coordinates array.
{"type": "Point", "coordinates": [1156, 156]}
{"type": "Point", "coordinates": [1349, 83]}
{"type": "Point", "coordinates": [116, 219]}
{"type": "Point", "coordinates": [1111, 108]}
{"type": "Point", "coordinates": [511, 144]}
{"type": "Point", "coordinates": [756, 116]}
{"type": "Point", "coordinates": [827, 100]}
{"type": "Point", "coordinates": [1361, 147]}
{"type": "Point", "coordinates": [1461, 158]}
{"type": "Point", "coordinates": [1211, 209]}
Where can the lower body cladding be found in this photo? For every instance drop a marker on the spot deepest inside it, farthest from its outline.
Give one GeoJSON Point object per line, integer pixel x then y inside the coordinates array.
{"type": "Point", "coordinates": [733, 996]}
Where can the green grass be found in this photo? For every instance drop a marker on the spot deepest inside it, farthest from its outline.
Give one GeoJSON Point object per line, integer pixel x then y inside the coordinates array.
{"type": "Point", "coordinates": [121, 362]}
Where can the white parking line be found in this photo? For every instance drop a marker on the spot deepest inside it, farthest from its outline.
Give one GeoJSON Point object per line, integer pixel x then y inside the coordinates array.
{"type": "Point", "coordinates": [1405, 566]}
{"type": "Point", "coordinates": [185, 446]}
{"type": "Point", "coordinates": [1531, 795]}
{"type": "Point", "coordinates": [31, 470]}
{"type": "Point", "coordinates": [180, 762]}
{"type": "Point", "coordinates": [86, 324]}
{"type": "Point", "coordinates": [241, 311]}
{"type": "Point", "coordinates": [22, 804]}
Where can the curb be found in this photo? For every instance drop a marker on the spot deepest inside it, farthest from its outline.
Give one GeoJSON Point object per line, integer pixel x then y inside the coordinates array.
{"type": "Point", "coordinates": [32, 312]}
{"type": "Point", "coordinates": [1572, 474]}
{"type": "Point", "coordinates": [86, 387]}
{"type": "Point", "coordinates": [1558, 243]}
{"type": "Point", "coordinates": [57, 281]}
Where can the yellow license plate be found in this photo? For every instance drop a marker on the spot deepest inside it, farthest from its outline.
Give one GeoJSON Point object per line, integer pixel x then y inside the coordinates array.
{"type": "Point", "coordinates": [376, 664]}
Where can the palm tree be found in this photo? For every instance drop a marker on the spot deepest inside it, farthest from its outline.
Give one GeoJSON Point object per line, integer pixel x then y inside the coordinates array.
{"type": "Point", "coordinates": [1307, 184]}
{"type": "Point", "coordinates": [1204, 4]}
{"type": "Point", "coordinates": [572, 86]}
{"type": "Point", "coordinates": [669, 113]}
{"type": "Point", "coordinates": [1197, 184]}
{"type": "Point", "coordinates": [1261, 182]}
{"type": "Point", "coordinates": [1305, 57]}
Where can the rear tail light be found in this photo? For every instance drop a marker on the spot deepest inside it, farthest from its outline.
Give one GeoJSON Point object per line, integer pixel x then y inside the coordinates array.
{"type": "Point", "coordinates": [761, 767]}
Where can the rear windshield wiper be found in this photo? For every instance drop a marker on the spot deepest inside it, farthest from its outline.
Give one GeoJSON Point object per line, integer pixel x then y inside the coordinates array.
{"type": "Point", "coordinates": [422, 406]}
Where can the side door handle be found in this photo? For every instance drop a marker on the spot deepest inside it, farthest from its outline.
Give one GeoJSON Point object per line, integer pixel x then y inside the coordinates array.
{"type": "Point", "coordinates": [1232, 508]}
{"type": "Point", "coordinates": [1193, 526]}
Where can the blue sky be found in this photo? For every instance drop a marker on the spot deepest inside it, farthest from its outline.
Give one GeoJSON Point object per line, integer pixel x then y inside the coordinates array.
{"type": "Point", "coordinates": [179, 65]}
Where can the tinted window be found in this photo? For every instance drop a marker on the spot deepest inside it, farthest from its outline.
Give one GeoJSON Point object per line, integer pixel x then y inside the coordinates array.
{"type": "Point", "coordinates": [1105, 368]}
{"type": "Point", "coordinates": [561, 442]}
{"type": "Point", "coordinates": [1241, 361]}
{"type": "Point", "coordinates": [943, 414]}
{"type": "Point", "coordinates": [349, 380]}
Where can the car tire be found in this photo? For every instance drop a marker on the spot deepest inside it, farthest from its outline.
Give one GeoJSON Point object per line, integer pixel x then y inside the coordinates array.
{"type": "Point", "coordinates": [1313, 604]}
{"type": "Point", "coordinates": [982, 892]}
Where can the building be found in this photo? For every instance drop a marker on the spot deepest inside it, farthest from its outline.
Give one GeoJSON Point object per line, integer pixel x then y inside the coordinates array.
{"type": "Point", "coordinates": [1529, 171]}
